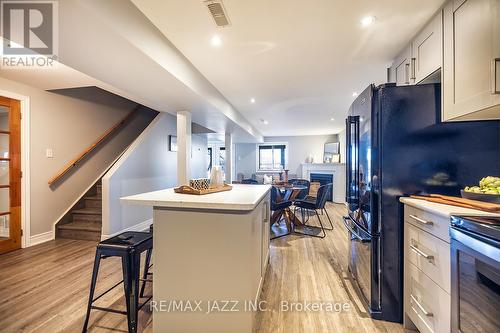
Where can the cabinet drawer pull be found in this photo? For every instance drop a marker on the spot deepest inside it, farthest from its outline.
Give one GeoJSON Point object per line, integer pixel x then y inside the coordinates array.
{"type": "Point", "coordinates": [418, 219]}
{"type": "Point", "coordinates": [413, 68]}
{"type": "Point", "coordinates": [266, 208]}
{"type": "Point", "coordinates": [495, 88]}
{"type": "Point", "coordinates": [407, 73]}
{"type": "Point", "coordinates": [427, 313]}
{"type": "Point", "coordinates": [421, 253]}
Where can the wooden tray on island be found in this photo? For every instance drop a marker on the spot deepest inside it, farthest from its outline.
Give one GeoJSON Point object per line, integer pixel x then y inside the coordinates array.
{"type": "Point", "coordinates": [186, 189]}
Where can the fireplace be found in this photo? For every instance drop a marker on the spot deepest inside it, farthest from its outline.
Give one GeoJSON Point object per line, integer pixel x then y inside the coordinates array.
{"type": "Point", "coordinates": [327, 173]}
{"type": "Point", "coordinates": [323, 179]}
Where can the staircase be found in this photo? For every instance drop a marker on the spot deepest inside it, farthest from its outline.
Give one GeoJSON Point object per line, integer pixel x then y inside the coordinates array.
{"type": "Point", "coordinates": [84, 220]}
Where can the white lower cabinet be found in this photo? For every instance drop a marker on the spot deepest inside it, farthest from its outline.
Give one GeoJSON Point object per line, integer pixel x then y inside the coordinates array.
{"type": "Point", "coordinates": [427, 300]}
{"type": "Point", "coordinates": [427, 304]}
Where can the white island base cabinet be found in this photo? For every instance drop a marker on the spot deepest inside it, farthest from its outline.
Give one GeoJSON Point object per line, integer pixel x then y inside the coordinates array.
{"type": "Point", "coordinates": [209, 266]}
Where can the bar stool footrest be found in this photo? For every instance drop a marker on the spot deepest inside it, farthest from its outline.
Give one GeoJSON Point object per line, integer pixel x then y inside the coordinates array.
{"type": "Point", "coordinates": [107, 291]}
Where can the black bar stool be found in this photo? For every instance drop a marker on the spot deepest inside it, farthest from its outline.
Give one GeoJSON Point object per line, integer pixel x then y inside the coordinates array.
{"type": "Point", "coordinates": [147, 266]}
{"type": "Point", "coordinates": [129, 246]}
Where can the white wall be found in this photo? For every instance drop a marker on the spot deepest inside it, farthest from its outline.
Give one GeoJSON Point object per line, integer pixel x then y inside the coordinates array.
{"type": "Point", "coordinates": [342, 138]}
{"type": "Point", "coordinates": [199, 163]}
{"type": "Point", "coordinates": [245, 155]}
{"type": "Point", "coordinates": [299, 148]}
{"type": "Point", "coordinates": [146, 166]}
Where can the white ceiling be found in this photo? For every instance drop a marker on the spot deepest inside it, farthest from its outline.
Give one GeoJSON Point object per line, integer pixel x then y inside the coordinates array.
{"type": "Point", "coordinates": [300, 60]}
{"type": "Point", "coordinates": [124, 53]}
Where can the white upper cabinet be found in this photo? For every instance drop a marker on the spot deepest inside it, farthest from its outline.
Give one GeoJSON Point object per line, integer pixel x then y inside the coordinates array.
{"type": "Point", "coordinates": [427, 50]}
{"type": "Point", "coordinates": [400, 72]}
{"type": "Point", "coordinates": [471, 62]}
{"type": "Point", "coordinates": [422, 57]}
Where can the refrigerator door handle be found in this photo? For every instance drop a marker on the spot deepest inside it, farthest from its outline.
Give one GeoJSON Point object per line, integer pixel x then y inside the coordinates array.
{"type": "Point", "coordinates": [352, 163]}
{"type": "Point", "coordinates": [351, 230]}
{"type": "Point", "coordinates": [348, 157]}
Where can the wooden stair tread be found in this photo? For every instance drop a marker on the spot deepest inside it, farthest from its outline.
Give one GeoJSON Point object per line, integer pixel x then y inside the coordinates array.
{"type": "Point", "coordinates": [96, 197]}
{"type": "Point", "coordinates": [89, 211]}
{"type": "Point", "coordinates": [81, 225]}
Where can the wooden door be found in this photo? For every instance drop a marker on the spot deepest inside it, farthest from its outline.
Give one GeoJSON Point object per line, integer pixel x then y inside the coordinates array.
{"type": "Point", "coordinates": [10, 174]}
{"type": "Point", "coordinates": [471, 49]}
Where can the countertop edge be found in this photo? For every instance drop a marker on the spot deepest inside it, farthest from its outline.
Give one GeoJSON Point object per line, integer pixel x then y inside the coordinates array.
{"type": "Point", "coordinates": [195, 205]}
{"type": "Point", "coordinates": [445, 211]}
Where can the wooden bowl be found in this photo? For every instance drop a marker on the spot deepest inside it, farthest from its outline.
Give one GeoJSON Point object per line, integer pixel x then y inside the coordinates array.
{"type": "Point", "coordinates": [493, 198]}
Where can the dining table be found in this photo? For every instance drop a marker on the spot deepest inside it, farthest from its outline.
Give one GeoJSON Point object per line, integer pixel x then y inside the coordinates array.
{"type": "Point", "coordinates": [287, 192]}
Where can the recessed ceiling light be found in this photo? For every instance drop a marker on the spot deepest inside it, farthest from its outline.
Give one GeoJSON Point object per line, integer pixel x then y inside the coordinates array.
{"type": "Point", "coordinates": [354, 94]}
{"type": "Point", "coordinates": [252, 100]}
{"type": "Point", "coordinates": [332, 119]}
{"type": "Point", "coordinates": [216, 40]}
{"type": "Point", "coordinates": [367, 21]}
{"type": "Point", "coordinates": [265, 122]}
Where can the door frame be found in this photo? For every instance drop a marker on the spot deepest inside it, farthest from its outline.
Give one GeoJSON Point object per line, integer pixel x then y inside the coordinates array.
{"type": "Point", "coordinates": [25, 164]}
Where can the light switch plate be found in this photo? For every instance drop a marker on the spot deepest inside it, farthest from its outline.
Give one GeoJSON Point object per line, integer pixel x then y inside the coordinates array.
{"type": "Point", "coordinates": [49, 153]}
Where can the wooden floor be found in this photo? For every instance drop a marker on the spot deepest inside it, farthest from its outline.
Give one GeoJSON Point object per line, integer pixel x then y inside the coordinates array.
{"type": "Point", "coordinates": [45, 288]}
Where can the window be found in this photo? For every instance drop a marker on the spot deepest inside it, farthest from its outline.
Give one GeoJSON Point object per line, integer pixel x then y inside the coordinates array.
{"type": "Point", "coordinates": [272, 157]}
{"type": "Point", "coordinates": [222, 157]}
{"type": "Point", "coordinates": [209, 158]}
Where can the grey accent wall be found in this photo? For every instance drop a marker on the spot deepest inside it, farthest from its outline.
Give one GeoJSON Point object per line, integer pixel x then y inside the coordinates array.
{"type": "Point", "coordinates": [68, 124]}
{"type": "Point", "coordinates": [146, 166]}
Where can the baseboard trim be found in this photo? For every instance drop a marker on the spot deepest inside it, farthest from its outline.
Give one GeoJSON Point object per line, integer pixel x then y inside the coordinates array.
{"type": "Point", "coordinates": [42, 238]}
{"type": "Point", "coordinates": [143, 226]}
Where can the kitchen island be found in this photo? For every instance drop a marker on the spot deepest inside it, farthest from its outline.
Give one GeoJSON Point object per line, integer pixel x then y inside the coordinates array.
{"type": "Point", "coordinates": [210, 256]}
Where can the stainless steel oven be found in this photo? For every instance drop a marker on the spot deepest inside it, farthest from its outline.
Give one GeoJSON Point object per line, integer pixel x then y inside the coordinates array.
{"type": "Point", "coordinates": [475, 279]}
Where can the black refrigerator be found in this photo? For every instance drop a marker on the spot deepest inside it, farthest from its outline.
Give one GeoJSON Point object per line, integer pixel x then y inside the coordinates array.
{"type": "Point", "coordinates": [397, 146]}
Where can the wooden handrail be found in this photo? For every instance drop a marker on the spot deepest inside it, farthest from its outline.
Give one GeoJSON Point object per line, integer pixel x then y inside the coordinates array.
{"type": "Point", "coordinates": [88, 150]}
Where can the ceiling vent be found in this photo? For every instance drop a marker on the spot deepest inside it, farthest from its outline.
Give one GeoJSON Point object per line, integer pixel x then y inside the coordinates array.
{"type": "Point", "coordinates": [218, 12]}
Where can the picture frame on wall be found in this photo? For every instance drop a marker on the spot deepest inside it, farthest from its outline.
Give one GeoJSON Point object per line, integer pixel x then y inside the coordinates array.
{"type": "Point", "coordinates": [172, 143]}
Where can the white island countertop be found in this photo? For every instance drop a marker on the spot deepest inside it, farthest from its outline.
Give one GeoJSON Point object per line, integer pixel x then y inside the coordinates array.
{"type": "Point", "coordinates": [442, 209]}
{"type": "Point", "coordinates": [241, 197]}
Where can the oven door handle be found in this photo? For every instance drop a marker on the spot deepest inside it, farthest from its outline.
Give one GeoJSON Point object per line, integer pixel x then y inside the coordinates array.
{"type": "Point", "coordinates": [425, 312]}
{"type": "Point", "coordinates": [345, 218]}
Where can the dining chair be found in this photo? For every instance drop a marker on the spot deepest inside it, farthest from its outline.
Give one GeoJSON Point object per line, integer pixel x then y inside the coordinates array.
{"type": "Point", "coordinates": [279, 206]}
{"type": "Point", "coordinates": [301, 182]}
{"type": "Point", "coordinates": [249, 181]}
{"type": "Point", "coordinates": [319, 204]}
